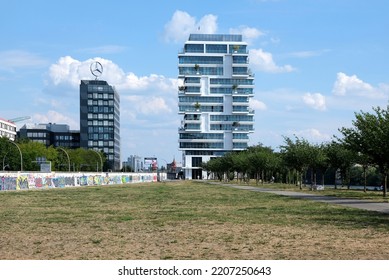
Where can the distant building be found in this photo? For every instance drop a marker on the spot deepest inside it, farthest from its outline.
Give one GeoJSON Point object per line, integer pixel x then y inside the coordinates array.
{"type": "Point", "coordinates": [57, 135]}
{"type": "Point", "coordinates": [7, 129]}
{"type": "Point", "coordinates": [213, 99]}
{"type": "Point", "coordinates": [100, 120]}
{"type": "Point", "coordinates": [134, 162]}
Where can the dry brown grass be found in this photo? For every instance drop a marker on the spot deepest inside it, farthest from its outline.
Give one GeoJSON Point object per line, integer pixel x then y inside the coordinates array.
{"type": "Point", "coordinates": [183, 220]}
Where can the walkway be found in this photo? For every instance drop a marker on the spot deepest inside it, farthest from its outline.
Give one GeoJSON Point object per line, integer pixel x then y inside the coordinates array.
{"type": "Point", "coordinates": [381, 207]}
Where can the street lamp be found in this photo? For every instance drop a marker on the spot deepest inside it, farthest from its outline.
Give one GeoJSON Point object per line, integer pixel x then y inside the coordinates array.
{"type": "Point", "coordinates": [67, 155]}
{"type": "Point", "coordinates": [101, 160]}
{"type": "Point", "coordinates": [4, 160]}
{"type": "Point", "coordinates": [21, 156]}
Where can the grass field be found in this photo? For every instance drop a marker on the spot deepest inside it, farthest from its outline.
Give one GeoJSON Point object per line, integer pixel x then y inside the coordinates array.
{"type": "Point", "coordinates": [183, 220]}
{"type": "Point", "coordinates": [373, 196]}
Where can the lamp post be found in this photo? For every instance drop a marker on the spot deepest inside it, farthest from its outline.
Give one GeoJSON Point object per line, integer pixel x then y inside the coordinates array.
{"type": "Point", "coordinates": [101, 160]}
{"type": "Point", "coordinates": [21, 156]}
{"type": "Point", "coordinates": [67, 155]}
{"type": "Point", "coordinates": [4, 160]}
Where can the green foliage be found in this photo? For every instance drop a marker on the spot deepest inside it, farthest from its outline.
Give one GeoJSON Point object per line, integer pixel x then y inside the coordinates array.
{"type": "Point", "coordinates": [355, 157]}
{"type": "Point", "coordinates": [342, 158]}
{"type": "Point", "coordinates": [369, 137]}
{"type": "Point", "coordinates": [296, 155]}
{"type": "Point", "coordinates": [9, 155]}
{"type": "Point", "coordinates": [80, 159]}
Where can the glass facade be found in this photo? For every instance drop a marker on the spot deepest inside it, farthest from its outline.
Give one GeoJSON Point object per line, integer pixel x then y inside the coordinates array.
{"type": "Point", "coordinates": [100, 120]}
{"type": "Point", "coordinates": [216, 85]}
{"type": "Point", "coordinates": [56, 135]}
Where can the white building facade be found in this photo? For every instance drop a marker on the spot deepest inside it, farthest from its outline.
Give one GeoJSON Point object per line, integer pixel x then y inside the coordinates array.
{"type": "Point", "coordinates": [7, 129]}
{"type": "Point", "coordinates": [215, 88]}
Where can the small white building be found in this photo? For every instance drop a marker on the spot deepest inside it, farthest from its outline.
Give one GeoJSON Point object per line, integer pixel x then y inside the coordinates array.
{"type": "Point", "coordinates": [7, 129]}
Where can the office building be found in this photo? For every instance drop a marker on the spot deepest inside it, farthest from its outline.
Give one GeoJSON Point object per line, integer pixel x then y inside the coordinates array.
{"type": "Point", "coordinates": [7, 129]}
{"type": "Point", "coordinates": [51, 134]}
{"type": "Point", "coordinates": [213, 99]}
{"type": "Point", "coordinates": [134, 163]}
{"type": "Point", "coordinates": [100, 120]}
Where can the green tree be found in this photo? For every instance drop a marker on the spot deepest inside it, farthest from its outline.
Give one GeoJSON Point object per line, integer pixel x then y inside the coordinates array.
{"type": "Point", "coordinates": [216, 166]}
{"type": "Point", "coordinates": [9, 155]}
{"type": "Point", "coordinates": [263, 162]}
{"type": "Point", "coordinates": [296, 155]}
{"type": "Point", "coordinates": [318, 161]}
{"type": "Point", "coordinates": [369, 136]}
{"type": "Point", "coordinates": [31, 151]}
{"type": "Point", "coordinates": [86, 160]}
{"type": "Point", "coordinates": [241, 165]}
{"type": "Point", "coordinates": [341, 159]}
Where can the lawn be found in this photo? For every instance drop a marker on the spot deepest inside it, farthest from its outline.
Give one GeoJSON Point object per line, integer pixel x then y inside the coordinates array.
{"type": "Point", "coordinates": [183, 220]}
{"type": "Point", "coordinates": [344, 192]}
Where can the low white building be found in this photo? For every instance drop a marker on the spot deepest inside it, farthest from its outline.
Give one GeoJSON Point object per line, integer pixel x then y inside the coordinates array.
{"type": "Point", "coordinates": [7, 129]}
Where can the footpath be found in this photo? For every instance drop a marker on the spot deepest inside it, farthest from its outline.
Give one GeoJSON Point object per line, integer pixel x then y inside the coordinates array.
{"type": "Point", "coordinates": [381, 207]}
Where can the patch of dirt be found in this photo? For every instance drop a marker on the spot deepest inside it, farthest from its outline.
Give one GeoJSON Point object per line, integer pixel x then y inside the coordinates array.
{"type": "Point", "coordinates": [187, 240]}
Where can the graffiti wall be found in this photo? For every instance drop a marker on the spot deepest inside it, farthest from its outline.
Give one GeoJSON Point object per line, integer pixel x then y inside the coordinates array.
{"type": "Point", "coordinates": [37, 180]}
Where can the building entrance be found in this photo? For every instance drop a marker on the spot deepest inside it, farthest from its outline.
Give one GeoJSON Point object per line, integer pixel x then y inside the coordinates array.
{"type": "Point", "coordinates": [197, 174]}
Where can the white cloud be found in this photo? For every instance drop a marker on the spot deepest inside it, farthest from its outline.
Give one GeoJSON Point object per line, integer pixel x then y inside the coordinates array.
{"type": "Point", "coordinates": [263, 61]}
{"type": "Point", "coordinates": [257, 105]}
{"type": "Point", "coordinates": [182, 24]}
{"type": "Point", "coordinates": [312, 135]}
{"type": "Point", "coordinates": [315, 100]}
{"type": "Point", "coordinates": [352, 85]}
{"type": "Point", "coordinates": [153, 96]}
{"type": "Point", "coordinates": [148, 105]}
{"type": "Point", "coordinates": [69, 71]}
{"type": "Point", "coordinates": [249, 33]}
{"type": "Point", "coordinates": [207, 24]}
{"type": "Point", "coordinates": [56, 117]}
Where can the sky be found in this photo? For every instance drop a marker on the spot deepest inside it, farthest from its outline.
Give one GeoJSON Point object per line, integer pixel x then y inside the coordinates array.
{"type": "Point", "coordinates": [316, 63]}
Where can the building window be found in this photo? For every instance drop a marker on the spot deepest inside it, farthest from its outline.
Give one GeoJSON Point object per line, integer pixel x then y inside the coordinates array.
{"type": "Point", "coordinates": [196, 161]}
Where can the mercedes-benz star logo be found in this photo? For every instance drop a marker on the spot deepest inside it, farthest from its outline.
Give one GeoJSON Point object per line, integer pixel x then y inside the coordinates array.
{"type": "Point", "coordinates": [96, 69]}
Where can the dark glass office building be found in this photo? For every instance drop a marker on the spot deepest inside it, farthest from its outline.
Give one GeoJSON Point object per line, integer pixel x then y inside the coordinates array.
{"type": "Point", "coordinates": [51, 134]}
{"type": "Point", "coordinates": [100, 120]}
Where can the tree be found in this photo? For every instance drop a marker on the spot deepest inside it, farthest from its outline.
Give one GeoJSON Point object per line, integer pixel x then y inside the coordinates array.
{"type": "Point", "coordinates": [217, 166]}
{"type": "Point", "coordinates": [341, 158]}
{"type": "Point", "coordinates": [263, 162]}
{"type": "Point", "coordinates": [296, 155]}
{"type": "Point", "coordinates": [369, 136]}
{"type": "Point", "coordinates": [241, 164]}
{"type": "Point", "coordinates": [86, 160]}
{"type": "Point", "coordinates": [9, 155]}
{"type": "Point", "coordinates": [32, 150]}
{"type": "Point", "coordinates": [318, 161]}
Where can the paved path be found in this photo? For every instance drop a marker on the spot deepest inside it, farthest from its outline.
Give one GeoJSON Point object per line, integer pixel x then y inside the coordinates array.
{"type": "Point", "coordinates": [382, 207]}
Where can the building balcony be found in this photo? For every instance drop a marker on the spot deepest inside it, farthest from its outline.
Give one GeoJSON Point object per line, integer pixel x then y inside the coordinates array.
{"type": "Point", "coordinates": [190, 128]}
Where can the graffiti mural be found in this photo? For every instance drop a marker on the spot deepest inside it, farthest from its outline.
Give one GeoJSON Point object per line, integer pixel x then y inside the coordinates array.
{"type": "Point", "coordinates": [10, 181]}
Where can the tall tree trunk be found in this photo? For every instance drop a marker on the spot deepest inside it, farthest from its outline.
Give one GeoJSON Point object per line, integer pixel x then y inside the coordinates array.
{"type": "Point", "coordinates": [263, 176]}
{"type": "Point", "coordinates": [301, 180]}
{"type": "Point", "coordinates": [365, 178]}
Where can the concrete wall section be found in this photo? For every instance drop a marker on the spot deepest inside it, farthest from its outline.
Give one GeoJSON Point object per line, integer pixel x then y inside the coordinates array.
{"type": "Point", "coordinates": [38, 180]}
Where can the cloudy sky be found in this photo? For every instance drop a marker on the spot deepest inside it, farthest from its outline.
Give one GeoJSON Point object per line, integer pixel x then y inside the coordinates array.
{"type": "Point", "coordinates": [316, 62]}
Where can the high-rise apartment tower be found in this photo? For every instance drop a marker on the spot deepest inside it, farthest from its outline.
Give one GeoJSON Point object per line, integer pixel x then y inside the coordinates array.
{"type": "Point", "coordinates": [213, 98]}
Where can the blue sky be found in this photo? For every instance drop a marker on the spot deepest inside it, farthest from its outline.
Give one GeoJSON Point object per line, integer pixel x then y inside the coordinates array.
{"type": "Point", "coordinates": [316, 62]}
